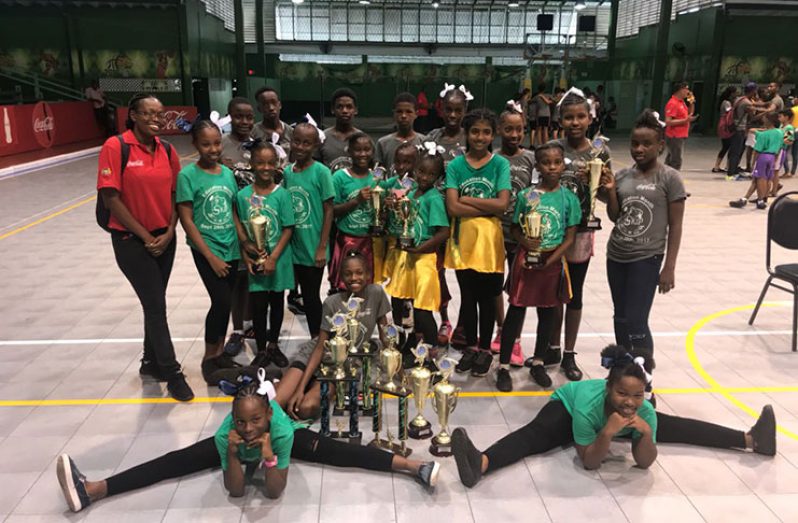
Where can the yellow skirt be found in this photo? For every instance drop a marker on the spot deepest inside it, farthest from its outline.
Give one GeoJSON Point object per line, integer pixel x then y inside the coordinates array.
{"type": "Point", "coordinates": [414, 277]}
{"type": "Point", "coordinates": [479, 245]}
{"type": "Point", "coordinates": [378, 244]}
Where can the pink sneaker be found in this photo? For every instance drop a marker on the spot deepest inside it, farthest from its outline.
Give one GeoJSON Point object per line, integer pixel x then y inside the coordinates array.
{"type": "Point", "coordinates": [444, 334]}
{"type": "Point", "coordinates": [496, 344]}
{"type": "Point", "coordinates": [517, 357]}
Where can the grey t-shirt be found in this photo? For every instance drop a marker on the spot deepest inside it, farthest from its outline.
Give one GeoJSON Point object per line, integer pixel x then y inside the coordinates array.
{"type": "Point", "coordinates": [374, 307]}
{"type": "Point", "coordinates": [522, 175]}
{"type": "Point", "coordinates": [234, 151]}
{"type": "Point", "coordinates": [777, 102]}
{"type": "Point", "coordinates": [259, 131]}
{"type": "Point", "coordinates": [332, 152]}
{"type": "Point", "coordinates": [387, 145]}
{"type": "Point", "coordinates": [571, 181]}
{"type": "Point", "coordinates": [544, 110]}
{"type": "Point", "coordinates": [641, 230]}
{"type": "Point", "coordinates": [453, 147]}
{"type": "Point", "coordinates": [741, 116]}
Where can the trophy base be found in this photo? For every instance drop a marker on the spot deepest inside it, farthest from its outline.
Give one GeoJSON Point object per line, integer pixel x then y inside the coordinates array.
{"type": "Point", "coordinates": [395, 390]}
{"type": "Point", "coordinates": [441, 450]}
{"type": "Point", "coordinates": [533, 260]}
{"type": "Point", "coordinates": [422, 432]}
{"type": "Point", "coordinates": [391, 446]}
{"type": "Point", "coordinates": [376, 230]}
{"type": "Point", "coordinates": [593, 224]}
{"type": "Point", "coordinates": [406, 243]}
{"type": "Point", "coordinates": [368, 412]}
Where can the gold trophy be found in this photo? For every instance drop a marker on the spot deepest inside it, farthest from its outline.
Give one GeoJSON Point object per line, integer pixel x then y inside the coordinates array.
{"type": "Point", "coordinates": [352, 325]}
{"type": "Point", "coordinates": [595, 167]}
{"type": "Point", "coordinates": [259, 229]}
{"type": "Point", "coordinates": [530, 223]}
{"type": "Point", "coordinates": [420, 377]}
{"type": "Point", "coordinates": [390, 362]}
{"type": "Point", "coordinates": [337, 347]}
{"type": "Point", "coordinates": [444, 401]}
{"type": "Point", "coordinates": [341, 375]}
{"type": "Point", "coordinates": [406, 211]}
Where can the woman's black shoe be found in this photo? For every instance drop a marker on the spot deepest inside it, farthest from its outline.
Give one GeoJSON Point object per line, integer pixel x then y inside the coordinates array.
{"type": "Point", "coordinates": [569, 367]}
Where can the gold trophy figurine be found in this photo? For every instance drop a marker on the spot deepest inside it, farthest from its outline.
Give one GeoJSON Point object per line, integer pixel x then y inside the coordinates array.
{"type": "Point", "coordinates": [444, 401]}
{"type": "Point", "coordinates": [530, 223]}
{"type": "Point", "coordinates": [419, 378]}
{"type": "Point", "coordinates": [259, 229]}
{"type": "Point", "coordinates": [377, 228]}
{"type": "Point", "coordinates": [352, 324]}
{"type": "Point", "coordinates": [337, 346]}
{"type": "Point", "coordinates": [390, 362]}
{"type": "Point", "coordinates": [406, 211]}
{"type": "Point", "coordinates": [595, 166]}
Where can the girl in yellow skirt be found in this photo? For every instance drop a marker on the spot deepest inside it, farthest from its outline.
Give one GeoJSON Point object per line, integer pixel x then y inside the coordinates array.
{"type": "Point", "coordinates": [414, 273]}
{"type": "Point", "coordinates": [544, 285]}
{"type": "Point", "coordinates": [477, 194]}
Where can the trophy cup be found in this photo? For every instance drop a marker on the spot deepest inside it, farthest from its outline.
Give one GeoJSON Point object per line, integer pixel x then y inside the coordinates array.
{"type": "Point", "coordinates": [352, 325]}
{"type": "Point", "coordinates": [406, 211]}
{"type": "Point", "coordinates": [361, 349]}
{"type": "Point", "coordinates": [259, 229]}
{"type": "Point", "coordinates": [444, 401]}
{"type": "Point", "coordinates": [377, 228]}
{"type": "Point", "coordinates": [531, 227]}
{"type": "Point", "coordinates": [595, 165]}
{"type": "Point", "coordinates": [341, 374]}
{"type": "Point", "coordinates": [390, 364]}
{"type": "Point", "coordinates": [420, 377]}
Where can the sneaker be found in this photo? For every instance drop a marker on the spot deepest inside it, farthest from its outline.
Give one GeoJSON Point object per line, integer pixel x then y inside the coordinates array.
{"type": "Point", "coordinates": [740, 178]}
{"type": "Point", "coordinates": [179, 389]}
{"type": "Point", "coordinates": [761, 204]}
{"type": "Point", "coordinates": [277, 356]}
{"type": "Point", "coordinates": [503, 380]}
{"type": "Point", "coordinates": [444, 334]}
{"type": "Point", "coordinates": [150, 369]}
{"type": "Point", "coordinates": [427, 474]}
{"type": "Point", "coordinates": [517, 357]}
{"type": "Point", "coordinates": [296, 305]}
{"type": "Point", "coordinates": [764, 432]}
{"type": "Point", "coordinates": [73, 483]}
{"type": "Point", "coordinates": [467, 457]}
{"type": "Point", "coordinates": [730, 178]}
{"type": "Point", "coordinates": [261, 360]}
{"type": "Point", "coordinates": [467, 361]}
{"type": "Point", "coordinates": [569, 367]}
{"type": "Point", "coordinates": [553, 356]}
{"type": "Point", "coordinates": [219, 368]}
{"type": "Point", "coordinates": [482, 363]}
{"type": "Point", "coordinates": [234, 345]}
{"type": "Point", "coordinates": [496, 344]}
{"type": "Point", "coordinates": [541, 377]}
{"type": "Point", "coordinates": [738, 204]}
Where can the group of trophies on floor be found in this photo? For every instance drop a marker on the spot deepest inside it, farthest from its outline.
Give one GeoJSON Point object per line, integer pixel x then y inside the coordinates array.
{"type": "Point", "coordinates": [347, 370]}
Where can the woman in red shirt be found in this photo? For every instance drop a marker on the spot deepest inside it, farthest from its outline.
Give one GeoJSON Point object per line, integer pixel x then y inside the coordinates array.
{"type": "Point", "coordinates": [140, 198]}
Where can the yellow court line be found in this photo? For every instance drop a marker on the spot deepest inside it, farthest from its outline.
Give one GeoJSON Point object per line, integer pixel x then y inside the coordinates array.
{"type": "Point", "coordinates": [712, 382]}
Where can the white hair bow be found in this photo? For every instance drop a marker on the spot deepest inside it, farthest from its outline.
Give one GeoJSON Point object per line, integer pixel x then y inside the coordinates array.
{"type": "Point", "coordinates": [447, 88]}
{"type": "Point", "coordinates": [656, 115]}
{"type": "Point", "coordinates": [514, 106]}
{"type": "Point", "coordinates": [312, 122]}
{"type": "Point", "coordinates": [265, 387]}
{"type": "Point", "coordinates": [220, 122]}
{"type": "Point", "coordinates": [432, 148]}
{"type": "Point", "coordinates": [641, 362]}
{"type": "Point", "coordinates": [281, 154]}
{"type": "Point", "coordinates": [573, 90]}
{"type": "Point", "coordinates": [466, 92]}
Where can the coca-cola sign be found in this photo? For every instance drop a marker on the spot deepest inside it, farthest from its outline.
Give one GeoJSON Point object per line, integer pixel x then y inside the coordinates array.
{"type": "Point", "coordinates": [43, 124]}
{"type": "Point", "coordinates": [171, 117]}
{"type": "Point", "coordinates": [172, 113]}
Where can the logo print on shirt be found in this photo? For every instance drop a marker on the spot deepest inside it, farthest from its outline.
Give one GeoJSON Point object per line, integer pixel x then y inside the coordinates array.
{"type": "Point", "coordinates": [362, 214]}
{"type": "Point", "coordinates": [136, 163]}
{"type": "Point", "coordinates": [477, 188]}
{"type": "Point", "coordinates": [301, 203]}
{"type": "Point", "coordinates": [637, 214]}
{"type": "Point", "coordinates": [216, 206]}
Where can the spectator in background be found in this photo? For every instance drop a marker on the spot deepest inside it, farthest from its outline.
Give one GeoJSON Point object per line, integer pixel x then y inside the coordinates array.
{"type": "Point", "coordinates": [743, 109]}
{"type": "Point", "coordinates": [678, 117]}
{"type": "Point", "coordinates": [421, 125]}
{"type": "Point", "coordinates": [96, 96]}
{"type": "Point", "coordinates": [727, 98]}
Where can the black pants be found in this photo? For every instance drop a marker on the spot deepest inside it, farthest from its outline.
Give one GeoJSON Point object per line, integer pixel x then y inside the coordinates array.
{"type": "Point", "coordinates": [633, 287]}
{"type": "Point", "coordinates": [725, 144]}
{"type": "Point", "coordinates": [149, 276]}
{"type": "Point", "coordinates": [736, 151]}
{"type": "Point", "coordinates": [578, 273]}
{"type": "Point", "coordinates": [308, 446]}
{"type": "Point", "coordinates": [478, 291]}
{"type": "Point", "coordinates": [309, 281]}
{"type": "Point", "coordinates": [265, 303]}
{"type": "Point", "coordinates": [220, 291]}
{"type": "Point", "coordinates": [424, 322]}
{"type": "Point", "coordinates": [551, 428]}
{"type": "Point", "coordinates": [514, 322]}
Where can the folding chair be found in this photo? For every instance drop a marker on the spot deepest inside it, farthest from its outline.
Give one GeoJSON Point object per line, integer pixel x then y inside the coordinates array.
{"type": "Point", "coordinates": [783, 230]}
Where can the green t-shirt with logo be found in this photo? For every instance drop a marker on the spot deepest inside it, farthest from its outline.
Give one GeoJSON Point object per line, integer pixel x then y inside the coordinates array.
{"type": "Point", "coordinates": [347, 187]}
{"type": "Point", "coordinates": [309, 190]}
{"type": "Point", "coordinates": [212, 196]}
{"type": "Point", "coordinates": [485, 182]}
{"type": "Point", "coordinates": [276, 206]}
{"type": "Point", "coordinates": [558, 209]}
{"type": "Point", "coordinates": [431, 214]}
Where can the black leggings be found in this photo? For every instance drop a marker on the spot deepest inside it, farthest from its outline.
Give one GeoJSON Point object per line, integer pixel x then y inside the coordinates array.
{"type": "Point", "coordinates": [308, 446]}
{"type": "Point", "coordinates": [309, 280]}
{"type": "Point", "coordinates": [424, 323]}
{"type": "Point", "coordinates": [149, 276]}
{"type": "Point", "coordinates": [551, 428]}
{"type": "Point", "coordinates": [478, 291]}
{"type": "Point", "coordinates": [725, 143]}
{"type": "Point", "coordinates": [514, 322]}
{"type": "Point", "coordinates": [263, 303]}
{"type": "Point", "coordinates": [220, 290]}
{"type": "Point", "coordinates": [578, 273]}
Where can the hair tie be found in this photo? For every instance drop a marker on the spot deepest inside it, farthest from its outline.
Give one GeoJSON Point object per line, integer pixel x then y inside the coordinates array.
{"type": "Point", "coordinates": [312, 122]}
{"type": "Point", "coordinates": [281, 154]}
{"type": "Point", "coordinates": [251, 144]}
{"type": "Point", "coordinates": [466, 92]}
{"type": "Point", "coordinates": [656, 115]}
{"type": "Point", "coordinates": [266, 387]}
{"type": "Point", "coordinates": [610, 362]}
{"type": "Point", "coordinates": [219, 121]}
{"type": "Point", "coordinates": [514, 106]}
{"type": "Point", "coordinates": [573, 90]}
{"type": "Point", "coordinates": [641, 362]}
{"type": "Point", "coordinates": [431, 149]}
{"type": "Point", "coordinates": [447, 89]}
{"type": "Point", "coordinates": [186, 125]}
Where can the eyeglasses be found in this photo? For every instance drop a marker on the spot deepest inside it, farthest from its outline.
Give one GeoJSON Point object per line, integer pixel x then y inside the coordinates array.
{"type": "Point", "coordinates": [152, 115]}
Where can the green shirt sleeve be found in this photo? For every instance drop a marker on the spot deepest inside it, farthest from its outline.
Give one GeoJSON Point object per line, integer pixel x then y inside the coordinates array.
{"type": "Point", "coordinates": [503, 175]}
{"type": "Point", "coordinates": [520, 205]}
{"type": "Point", "coordinates": [574, 209]}
{"type": "Point", "coordinates": [453, 174]}
{"type": "Point", "coordinates": [437, 211]}
{"type": "Point", "coordinates": [583, 427]}
{"type": "Point", "coordinates": [338, 186]}
{"type": "Point", "coordinates": [184, 192]}
{"type": "Point", "coordinates": [220, 439]}
{"type": "Point", "coordinates": [287, 218]}
{"type": "Point", "coordinates": [324, 179]}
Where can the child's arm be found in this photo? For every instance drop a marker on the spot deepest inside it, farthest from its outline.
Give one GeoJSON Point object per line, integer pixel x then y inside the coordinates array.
{"type": "Point", "coordinates": [644, 450]}
{"type": "Point", "coordinates": [321, 250]}
{"type": "Point", "coordinates": [234, 475]}
{"type": "Point", "coordinates": [276, 480]}
{"type": "Point", "coordinates": [592, 455]}
{"type": "Point", "coordinates": [348, 206]}
{"type": "Point", "coordinates": [382, 321]}
{"type": "Point", "coordinates": [559, 252]}
{"type": "Point", "coordinates": [292, 407]}
{"type": "Point", "coordinates": [667, 278]}
{"type": "Point", "coordinates": [495, 206]}
{"type": "Point", "coordinates": [613, 204]}
{"type": "Point", "coordinates": [271, 261]}
{"type": "Point", "coordinates": [457, 209]}
{"type": "Point", "coordinates": [431, 245]}
{"type": "Point", "coordinates": [249, 251]}
{"type": "Point", "coordinates": [186, 212]}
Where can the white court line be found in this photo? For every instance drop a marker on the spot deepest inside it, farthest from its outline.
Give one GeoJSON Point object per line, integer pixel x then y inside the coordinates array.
{"type": "Point", "coordinates": [663, 334]}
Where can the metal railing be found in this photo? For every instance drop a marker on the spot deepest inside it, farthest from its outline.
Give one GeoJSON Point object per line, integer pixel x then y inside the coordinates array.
{"type": "Point", "coordinates": [41, 85]}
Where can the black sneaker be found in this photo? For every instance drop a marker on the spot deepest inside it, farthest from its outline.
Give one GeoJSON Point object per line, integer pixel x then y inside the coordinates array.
{"type": "Point", "coordinates": [467, 457]}
{"type": "Point", "coordinates": [295, 305]}
{"type": "Point", "coordinates": [764, 432]}
{"type": "Point", "coordinates": [541, 377]}
{"type": "Point", "coordinates": [761, 204]}
{"type": "Point", "coordinates": [150, 369]}
{"type": "Point", "coordinates": [261, 360]}
{"type": "Point", "coordinates": [467, 361]}
{"type": "Point", "coordinates": [249, 333]}
{"type": "Point", "coordinates": [179, 389]}
{"type": "Point", "coordinates": [738, 204]}
{"type": "Point", "coordinates": [569, 367]}
{"type": "Point", "coordinates": [482, 363]}
{"type": "Point", "coordinates": [234, 345]}
{"type": "Point", "coordinates": [277, 356]}
{"type": "Point", "coordinates": [503, 380]}
{"type": "Point", "coordinates": [427, 474]}
{"type": "Point", "coordinates": [553, 356]}
{"type": "Point", "coordinates": [73, 483]}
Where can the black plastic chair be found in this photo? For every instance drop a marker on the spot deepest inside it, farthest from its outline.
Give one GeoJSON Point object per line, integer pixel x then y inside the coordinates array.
{"type": "Point", "coordinates": [783, 230]}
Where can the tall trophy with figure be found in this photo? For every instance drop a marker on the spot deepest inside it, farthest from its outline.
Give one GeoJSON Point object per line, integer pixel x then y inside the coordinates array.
{"type": "Point", "coordinates": [420, 378]}
{"type": "Point", "coordinates": [362, 349]}
{"type": "Point", "coordinates": [377, 227]}
{"type": "Point", "coordinates": [444, 401]}
{"type": "Point", "coordinates": [595, 167]}
{"type": "Point", "coordinates": [531, 221]}
{"type": "Point", "coordinates": [259, 228]}
{"type": "Point", "coordinates": [406, 211]}
{"type": "Point", "coordinates": [390, 363]}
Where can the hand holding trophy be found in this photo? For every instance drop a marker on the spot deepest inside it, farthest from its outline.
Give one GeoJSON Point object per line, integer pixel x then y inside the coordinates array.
{"type": "Point", "coordinates": [377, 227]}
{"type": "Point", "coordinates": [406, 211]}
{"type": "Point", "coordinates": [595, 168]}
{"type": "Point", "coordinates": [259, 229]}
{"type": "Point", "coordinates": [531, 226]}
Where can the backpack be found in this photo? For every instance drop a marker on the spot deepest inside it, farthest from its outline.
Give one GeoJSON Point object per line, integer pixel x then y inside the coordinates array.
{"type": "Point", "coordinates": [101, 212]}
{"type": "Point", "coordinates": [726, 124]}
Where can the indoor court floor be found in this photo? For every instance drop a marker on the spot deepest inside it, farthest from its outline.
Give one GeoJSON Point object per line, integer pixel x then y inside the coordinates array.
{"type": "Point", "coordinates": [70, 343]}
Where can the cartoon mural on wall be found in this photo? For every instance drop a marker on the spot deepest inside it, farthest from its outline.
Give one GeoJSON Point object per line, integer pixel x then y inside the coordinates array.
{"type": "Point", "coordinates": [739, 69]}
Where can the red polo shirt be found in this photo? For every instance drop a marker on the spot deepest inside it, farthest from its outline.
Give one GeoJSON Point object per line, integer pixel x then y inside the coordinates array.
{"type": "Point", "coordinates": [677, 110]}
{"type": "Point", "coordinates": [147, 184]}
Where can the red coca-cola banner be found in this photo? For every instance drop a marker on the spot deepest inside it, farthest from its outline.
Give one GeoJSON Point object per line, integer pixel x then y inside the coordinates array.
{"type": "Point", "coordinates": [172, 113]}
{"type": "Point", "coordinates": [43, 125]}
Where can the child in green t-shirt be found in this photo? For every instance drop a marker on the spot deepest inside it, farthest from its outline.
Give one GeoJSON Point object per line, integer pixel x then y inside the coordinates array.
{"type": "Point", "coordinates": [205, 203]}
{"type": "Point", "coordinates": [769, 143]}
{"type": "Point", "coordinates": [788, 131]}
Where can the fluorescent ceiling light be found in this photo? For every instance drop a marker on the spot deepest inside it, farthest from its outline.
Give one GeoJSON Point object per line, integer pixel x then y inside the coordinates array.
{"type": "Point", "coordinates": [580, 5]}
